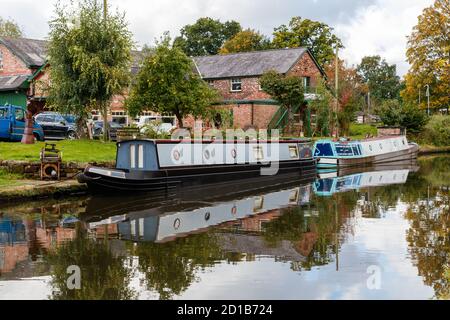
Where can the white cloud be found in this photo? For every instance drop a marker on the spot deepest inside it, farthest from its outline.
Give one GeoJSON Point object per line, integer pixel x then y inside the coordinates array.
{"type": "Point", "coordinates": [366, 27]}
{"type": "Point", "coordinates": [381, 29]}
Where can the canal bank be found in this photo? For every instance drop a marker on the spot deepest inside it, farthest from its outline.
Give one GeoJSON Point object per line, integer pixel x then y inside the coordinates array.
{"type": "Point", "coordinates": [28, 186]}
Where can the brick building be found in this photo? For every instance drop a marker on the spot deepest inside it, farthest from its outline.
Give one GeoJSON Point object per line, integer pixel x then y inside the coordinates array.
{"type": "Point", "coordinates": [24, 76]}
{"type": "Point", "coordinates": [236, 77]}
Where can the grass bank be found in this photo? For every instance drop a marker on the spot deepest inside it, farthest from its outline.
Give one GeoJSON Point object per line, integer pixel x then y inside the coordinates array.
{"type": "Point", "coordinates": [72, 150]}
{"type": "Point", "coordinates": [9, 179]}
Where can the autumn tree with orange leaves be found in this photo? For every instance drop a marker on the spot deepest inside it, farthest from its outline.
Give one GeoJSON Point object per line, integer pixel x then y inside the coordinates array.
{"type": "Point", "coordinates": [429, 55]}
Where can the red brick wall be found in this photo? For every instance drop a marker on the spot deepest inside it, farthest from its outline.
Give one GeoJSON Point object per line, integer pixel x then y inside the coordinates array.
{"type": "Point", "coordinates": [306, 67]}
{"type": "Point", "coordinates": [12, 65]}
{"type": "Point", "coordinates": [262, 114]}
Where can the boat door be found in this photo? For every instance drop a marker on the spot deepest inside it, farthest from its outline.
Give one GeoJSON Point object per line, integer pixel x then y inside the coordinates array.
{"type": "Point", "coordinates": [5, 123]}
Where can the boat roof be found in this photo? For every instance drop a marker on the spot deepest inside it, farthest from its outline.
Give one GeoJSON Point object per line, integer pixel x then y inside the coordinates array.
{"type": "Point", "coordinates": [168, 141]}
{"type": "Point", "coordinates": [362, 140]}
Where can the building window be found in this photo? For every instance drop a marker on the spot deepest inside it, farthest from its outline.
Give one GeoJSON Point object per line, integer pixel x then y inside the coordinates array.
{"type": "Point", "coordinates": [210, 83]}
{"type": "Point", "coordinates": [236, 84]}
{"type": "Point", "coordinates": [306, 83]}
{"type": "Point", "coordinates": [1, 60]}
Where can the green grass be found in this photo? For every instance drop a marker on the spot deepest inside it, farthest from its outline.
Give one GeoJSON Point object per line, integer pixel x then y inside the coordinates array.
{"type": "Point", "coordinates": [72, 150]}
{"type": "Point", "coordinates": [8, 179]}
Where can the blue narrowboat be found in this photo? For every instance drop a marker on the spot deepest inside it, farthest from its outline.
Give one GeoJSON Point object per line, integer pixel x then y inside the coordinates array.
{"type": "Point", "coordinates": [158, 165]}
{"type": "Point", "coordinates": [346, 153]}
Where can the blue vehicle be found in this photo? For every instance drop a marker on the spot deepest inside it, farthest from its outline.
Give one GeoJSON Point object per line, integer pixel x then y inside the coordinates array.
{"type": "Point", "coordinates": [12, 124]}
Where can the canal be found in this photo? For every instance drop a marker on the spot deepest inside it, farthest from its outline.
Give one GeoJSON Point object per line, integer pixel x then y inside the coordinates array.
{"type": "Point", "coordinates": [379, 234]}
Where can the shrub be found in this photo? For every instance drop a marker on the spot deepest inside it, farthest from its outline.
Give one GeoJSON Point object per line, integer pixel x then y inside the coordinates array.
{"type": "Point", "coordinates": [409, 116]}
{"type": "Point", "coordinates": [437, 131]}
{"type": "Point", "coordinates": [362, 130]}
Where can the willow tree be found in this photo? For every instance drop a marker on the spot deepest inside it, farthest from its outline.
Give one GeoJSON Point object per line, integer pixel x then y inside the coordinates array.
{"type": "Point", "coordinates": [90, 56]}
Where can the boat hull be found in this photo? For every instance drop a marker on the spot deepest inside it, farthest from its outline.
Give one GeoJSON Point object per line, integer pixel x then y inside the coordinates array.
{"type": "Point", "coordinates": [101, 180]}
{"type": "Point", "coordinates": [391, 157]}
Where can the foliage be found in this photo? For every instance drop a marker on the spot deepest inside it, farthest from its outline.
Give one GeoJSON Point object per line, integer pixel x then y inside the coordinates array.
{"type": "Point", "coordinates": [206, 36]}
{"type": "Point", "coordinates": [104, 276]}
{"type": "Point", "coordinates": [321, 107]}
{"type": "Point", "coordinates": [405, 115]}
{"type": "Point", "coordinates": [245, 41]}
{"type": "Point", "coordinates": [428, 54]}
{"type": "Point", "coordinates": [168, 83]}
{"type": "Point", "coordinates": [316, 36]}
{"type": "Point", "coordinates": [7, 178]}
{"type": "Point", "coordinates": [350, 94]}
{"type": "Point", "coordinates": [151, 131]}
{"type": "Point", "coordinates": [380, 77]}
{"type": "Point", "coordinates": [170, 268]}
{"type": "Point", "coordinates": [72, 150]}
{"type": "Point", "coordinates": [90, 58]}
{"type": "Point", "coordinates": [362, 130]}
{"type": "Point", "coordinates": [437, 131]}
{"type": "Point", "coordinates": [10, 28]}
{"type": "Point", "coordinates": [287, 90]}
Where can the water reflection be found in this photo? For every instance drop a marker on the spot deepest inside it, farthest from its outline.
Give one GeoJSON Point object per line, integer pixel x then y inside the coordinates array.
{"type": "Point", "coordinates": [164, 246]}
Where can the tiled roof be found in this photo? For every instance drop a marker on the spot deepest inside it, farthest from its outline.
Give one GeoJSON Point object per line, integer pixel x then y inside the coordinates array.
{"type": "Point", "coordinates": [34, 52]}
{"type": "Point", "coordinates": [12, 82]}
{"type": "Point", "coordinates": [31, 51]}
{"type": "Point", "coordinates": [248, 63]}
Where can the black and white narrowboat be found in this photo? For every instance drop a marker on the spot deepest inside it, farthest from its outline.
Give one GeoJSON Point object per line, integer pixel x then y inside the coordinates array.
{"type": "Point", "coordinates": [347, 153]}
{"type": "Point", "coordinates": [158, 165]}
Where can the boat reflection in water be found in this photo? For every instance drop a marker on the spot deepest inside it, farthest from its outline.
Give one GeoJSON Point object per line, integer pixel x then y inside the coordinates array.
{"type": "Point", "coordinates": [152, 219]}
{"type": "Point", "coordinates": [333, 181]}
{"type": "Point", "coordinates": [176, 219]}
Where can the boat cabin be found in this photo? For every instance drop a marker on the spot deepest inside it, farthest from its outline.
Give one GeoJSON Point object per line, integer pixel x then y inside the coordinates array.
{"type": "Point", "coordinates": [153, 155]}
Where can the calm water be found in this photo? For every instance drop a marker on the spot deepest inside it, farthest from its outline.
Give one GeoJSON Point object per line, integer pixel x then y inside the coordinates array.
{"type": "Point", "coordinates": [380, 234]}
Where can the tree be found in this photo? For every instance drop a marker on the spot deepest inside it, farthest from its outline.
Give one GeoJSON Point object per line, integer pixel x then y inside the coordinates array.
{"type": "Point", "coordinates": [350, 95]}
{"type": "Point", "coordinates": [429, 57]}
{"type": "Point", "coordinates": [287, 90]}
{"type": "Point", "coordinates": [9, 28]}
{"type": "Point", "coordinates": [406, 115]}
{"type": "Point", "coordinates": [380, 77]}
{"type": "Point", "coordinates": [206, 36]}
{"type": "Point", "coordinates": [168, 83]}
{"type": "Point", "coordinates": [321, 107]}
{"type": "Point", "coordinates": [316, 36]}
{"type": "Point", "coordinates": [90, 59]}
{"type": "Point", "coordinates": [245, 41]}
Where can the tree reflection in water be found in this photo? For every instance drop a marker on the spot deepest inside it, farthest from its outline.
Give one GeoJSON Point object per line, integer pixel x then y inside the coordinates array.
{"type": "Point", "coordinates": [103, 275]}
{"type": "Point", "coordinates": [316, 231]}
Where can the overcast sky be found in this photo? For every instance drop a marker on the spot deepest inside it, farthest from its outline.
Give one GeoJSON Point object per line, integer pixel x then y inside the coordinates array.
{"type": "Point", "coordinates": [367, 27]}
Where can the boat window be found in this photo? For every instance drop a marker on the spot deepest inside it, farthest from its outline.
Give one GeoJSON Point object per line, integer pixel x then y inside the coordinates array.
{"type": "Point", "coordinates": [140, 156]}
{"type": "Point", "coordinates": [370, 147]}
{"type": "Point", "coordinates": [258, 153]}
{"type": "Point", "coordinates": [259, 203]}
{"type": "Point", "coordinates": [293, 151]}
{"type": "Point", "coordinates": [355, 150]}
{"type": "Point", "coordinates": [344, 150]}
{"type": "Point", "coordinates": [132, 156]}
{"type": "Point", "coordinates": [381, 146]}
{"type": "Point", "coordinates": [323, 149]}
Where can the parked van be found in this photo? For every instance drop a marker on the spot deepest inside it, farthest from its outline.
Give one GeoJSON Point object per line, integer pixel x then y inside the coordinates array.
{"type": "Point", "coordinates": [12, 124]}
{"type": "Point", "coordinates": [164, 124]}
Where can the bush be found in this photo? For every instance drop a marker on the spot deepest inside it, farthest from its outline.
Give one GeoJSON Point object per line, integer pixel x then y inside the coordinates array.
{"type": "Point", "coordinates": [362, 130]}
{"type": "Point", "coordinates": [409, 116]}
{"type": "Point", "coordinates": [437, 131]}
